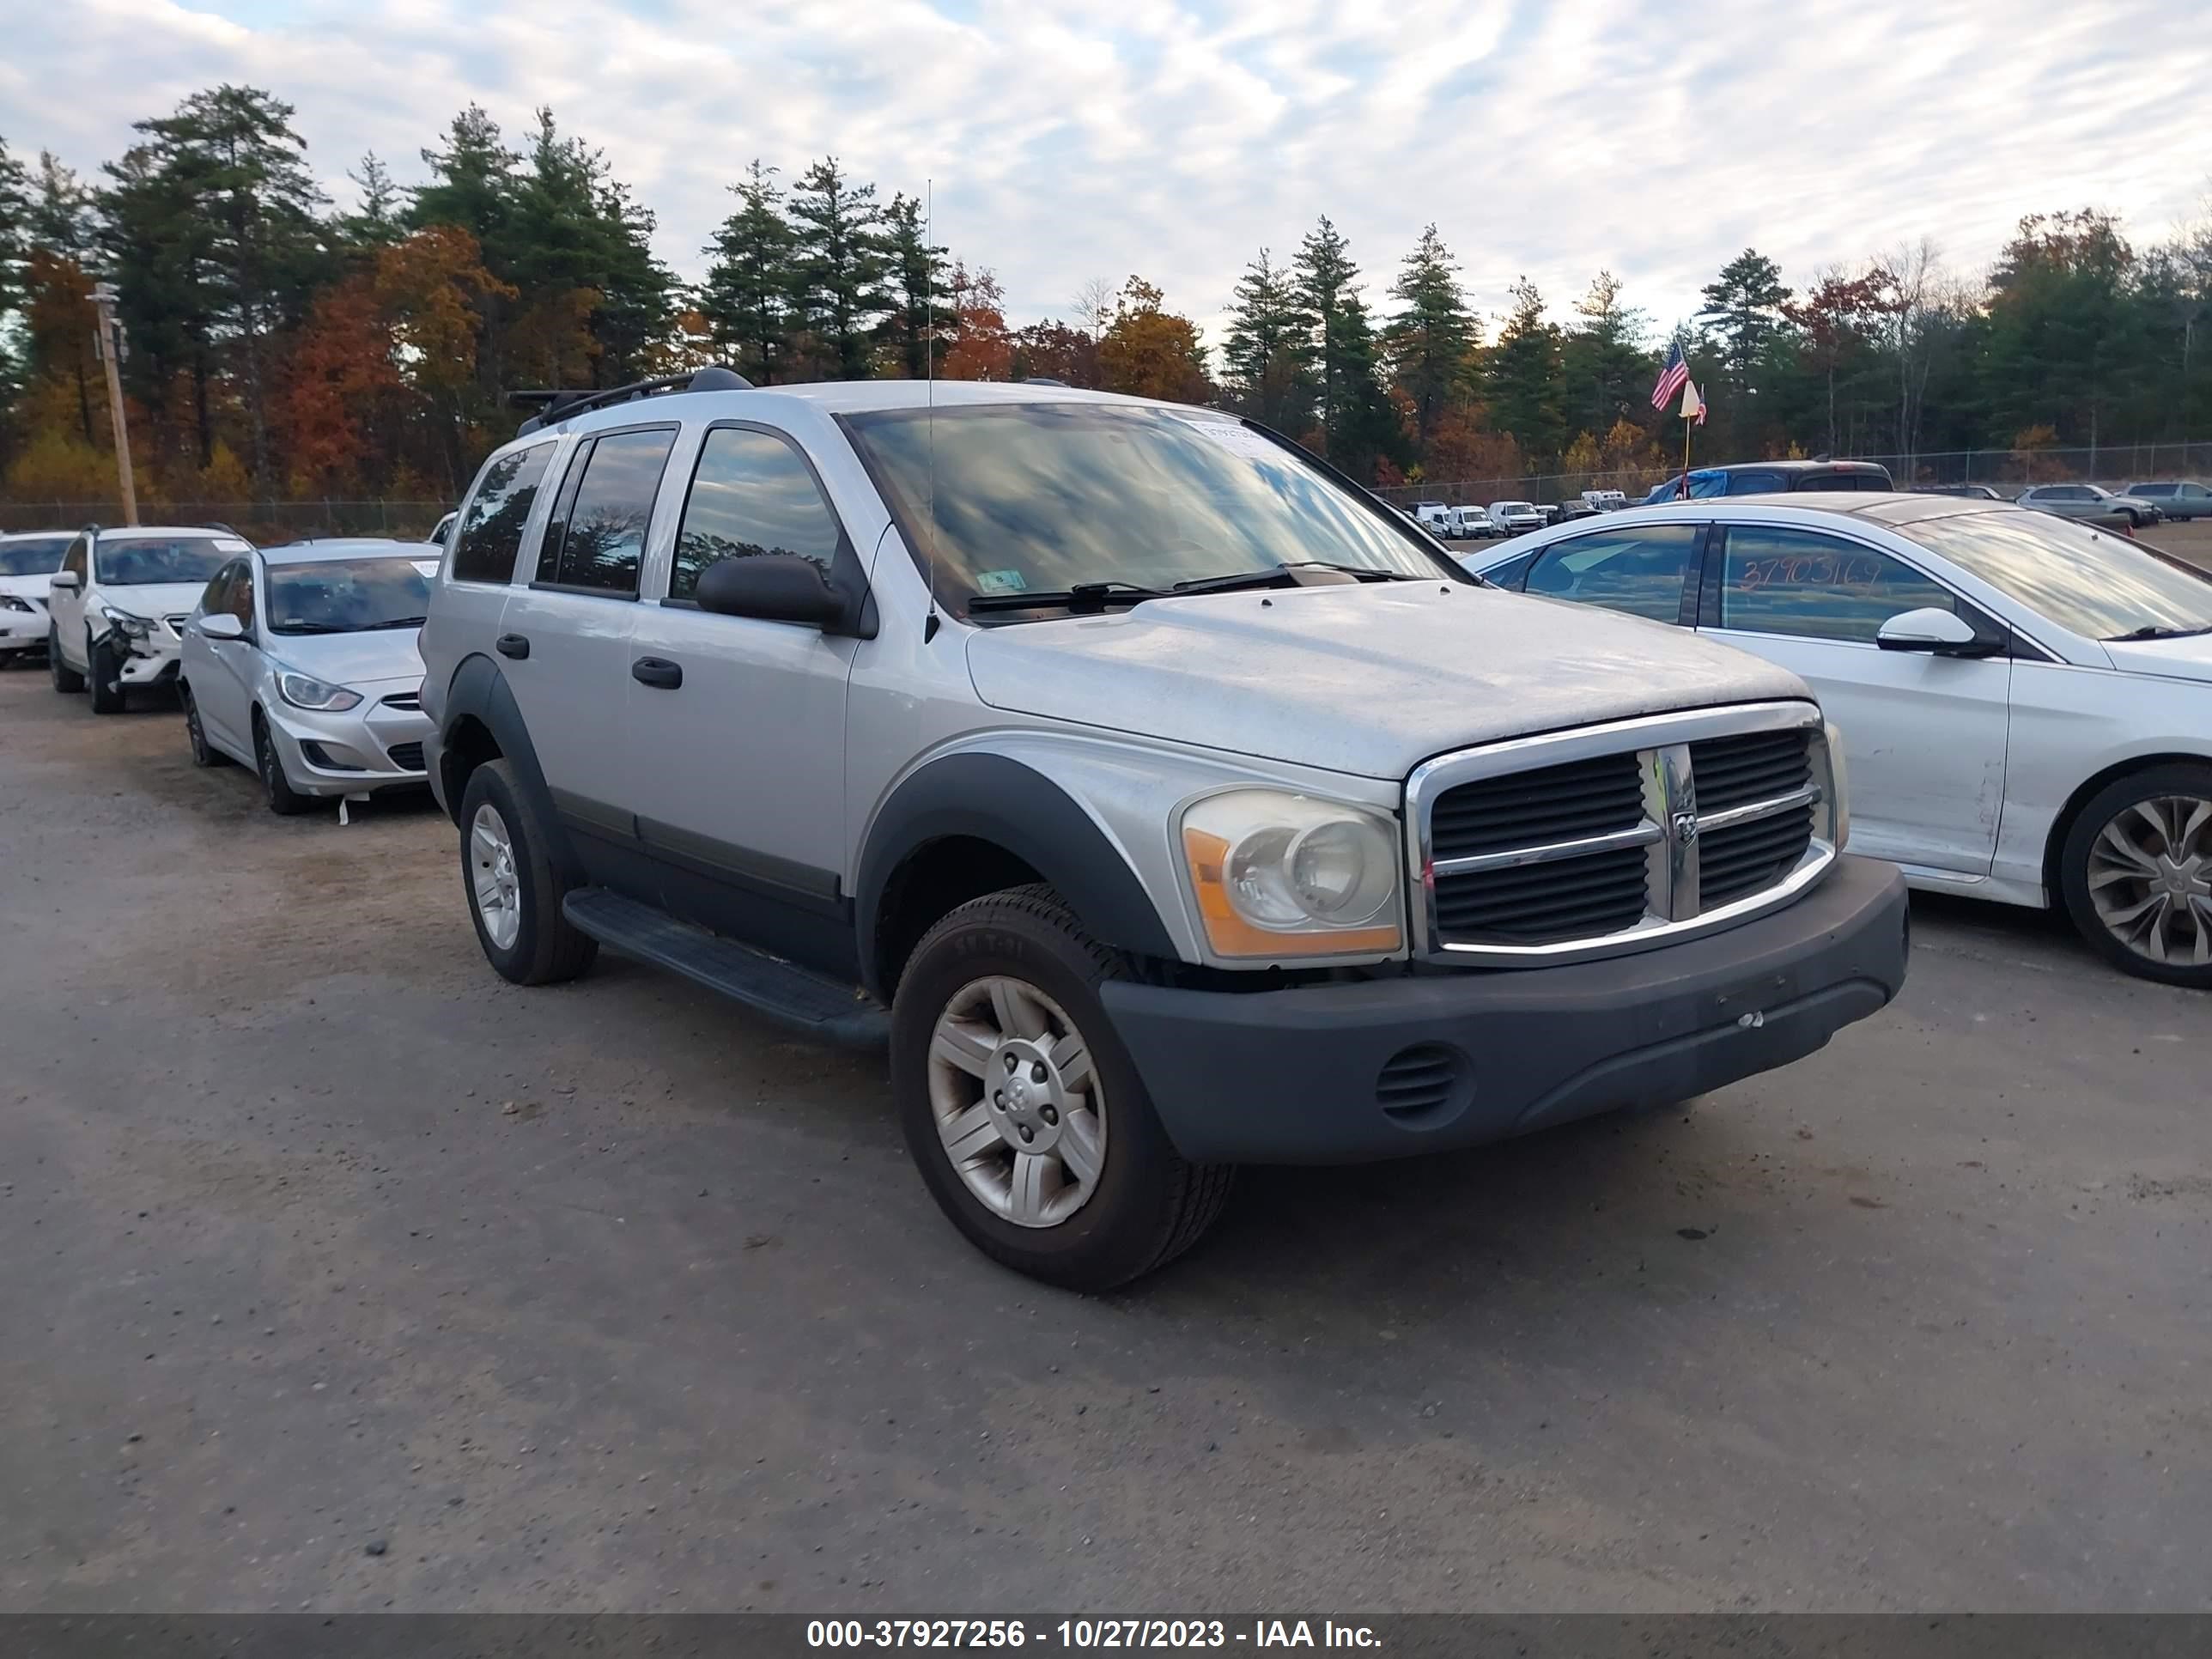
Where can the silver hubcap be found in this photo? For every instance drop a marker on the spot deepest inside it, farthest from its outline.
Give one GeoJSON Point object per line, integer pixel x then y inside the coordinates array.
{"type": "Point", "coordinates": [2150, 879]}
{"type": "Point", "coordinates": [1018, 1103]}
{"type": "Point", "coordinates": [491, 876]}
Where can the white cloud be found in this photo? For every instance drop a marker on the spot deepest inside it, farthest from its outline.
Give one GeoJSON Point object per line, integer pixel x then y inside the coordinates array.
{"type": "Point", "coordinates": [1078, 138]}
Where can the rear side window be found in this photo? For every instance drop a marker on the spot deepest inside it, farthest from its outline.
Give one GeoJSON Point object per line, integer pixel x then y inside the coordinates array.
{"type": "Point", "coordinates": [2150, 490]}
{"type": "Point", "coordinates": [1812, 587]}
{"type": "Point", "coordinates": [488, 539]}
{"type": "Point", "coordinates": [596, 539]}
{"type": "Point", "coordinates": [1639, 572]}
{"type": "Point", "coordinates": [1755, 484]}
{"type": "Point", "coordinates": [751, 495]}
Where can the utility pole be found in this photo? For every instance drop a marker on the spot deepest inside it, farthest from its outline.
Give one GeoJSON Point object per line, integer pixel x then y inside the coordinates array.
{"type": "Point", "coordinates": [110, 343]}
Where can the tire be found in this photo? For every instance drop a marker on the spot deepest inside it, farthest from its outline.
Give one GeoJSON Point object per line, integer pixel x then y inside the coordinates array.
{"type": "Point", "coordinates": [203, 752]}
{"type": "Point", "coordinates": [284, 801]}
{"type": "Point", "coordinates": [1144, 1205]}
{"type": "Point", "coordinates": [540, 947]}
{"type": "Point", "coordinates": [2125, 859]}
{"type": "Point", "coordinates": [66, 678]}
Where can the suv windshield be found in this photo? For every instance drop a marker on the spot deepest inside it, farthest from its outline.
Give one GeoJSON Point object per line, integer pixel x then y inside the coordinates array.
{"type": "Point", "coordinates": [41, 557]}
{"type": "Point", "coordinates": [143, 560]}
{"type": "Point", "coordinates": [2100, 585]}
{"type": "Point", "coordinates": [346, 596]}
{"type": "Point", "coordinates": [1035, 498]}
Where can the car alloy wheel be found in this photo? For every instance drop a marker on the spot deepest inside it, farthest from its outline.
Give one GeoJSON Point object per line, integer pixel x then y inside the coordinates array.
{"type": "Point", "coordinates": [2150, 879]}
{"type": "Point", "coordinates": [492, 877]}
{"type": "Point", "coordinates": [1018, 1103]}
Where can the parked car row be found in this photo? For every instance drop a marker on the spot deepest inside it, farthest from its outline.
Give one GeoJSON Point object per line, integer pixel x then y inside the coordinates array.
{"type": "Point", "coordinates": [1163, 802]}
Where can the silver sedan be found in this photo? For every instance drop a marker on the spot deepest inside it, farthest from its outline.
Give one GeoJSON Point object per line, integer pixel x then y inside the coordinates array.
{"type": "Point", "coordinates": [301, 663]}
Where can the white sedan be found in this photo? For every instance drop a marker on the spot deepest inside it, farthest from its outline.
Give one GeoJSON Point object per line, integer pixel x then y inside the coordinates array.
{"type": "Point", "coordinates": [2025, 703]}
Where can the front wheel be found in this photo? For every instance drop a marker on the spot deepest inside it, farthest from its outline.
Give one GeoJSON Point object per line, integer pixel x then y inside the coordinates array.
{"type": "Point", "coordinates": [2137, 873]}
{"type": "Point", "coordinates": [203, 752]}
{"type": "Point", "coordinates": [284, 800]}
{"type": "Point", "coordinates": [104, 673]}
{"type": "Point", "coordinates": [1031, 1126]}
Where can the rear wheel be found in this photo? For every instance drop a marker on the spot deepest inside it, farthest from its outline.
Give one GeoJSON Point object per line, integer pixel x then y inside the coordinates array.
{"type": "Point", "coordinates": [104, 674]}
{"type": "Point", "coordinates": [2135, 872]}
{"type": "Point", "coordinates": [1029, 1121]}
{"type": "Point", "coordinates": [203, 752]}
{"type": "Point", "coordinates": [66, 678]}
{"type": "Point", "coordinates": [514, 892]}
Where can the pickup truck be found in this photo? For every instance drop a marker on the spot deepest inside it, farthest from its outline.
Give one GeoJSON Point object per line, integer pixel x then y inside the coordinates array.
{"type": "Point", "coordinates": [1161, 800]}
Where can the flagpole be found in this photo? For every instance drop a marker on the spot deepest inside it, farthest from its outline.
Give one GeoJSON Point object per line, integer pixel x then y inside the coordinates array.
{"type": "Point", "coordinates": [1688, 421]}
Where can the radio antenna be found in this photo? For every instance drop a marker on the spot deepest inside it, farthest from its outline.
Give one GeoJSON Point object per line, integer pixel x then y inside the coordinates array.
{"type": "Point", "coordinates": [931, 623]}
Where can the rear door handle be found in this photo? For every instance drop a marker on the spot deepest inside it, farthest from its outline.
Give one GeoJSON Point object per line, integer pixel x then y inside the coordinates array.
{"type": "Point", "coordinates": [657, 672]}
{"type": "Point", "coordinates": [512, 645]}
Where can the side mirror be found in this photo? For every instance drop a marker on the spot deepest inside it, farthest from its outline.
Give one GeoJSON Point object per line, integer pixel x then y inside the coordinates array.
{"type": "Point", "coordinates": [771, 587]}
{"type": "Point", "coordinates": [1933, 629]}
{"type": "Point", "coordinates": [221, 625]}
{"type": "Point", "coordinates": [64, 581]}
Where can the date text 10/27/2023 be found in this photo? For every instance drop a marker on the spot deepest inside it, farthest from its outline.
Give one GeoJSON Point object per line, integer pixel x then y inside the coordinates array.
{"type": "Point", "coordinates": [1087, 1633]}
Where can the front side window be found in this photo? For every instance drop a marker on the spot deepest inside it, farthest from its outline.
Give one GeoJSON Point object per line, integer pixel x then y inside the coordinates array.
{"type": "Point", "coordinates": [238, 598]}
{"type": "Point", "coordinates": [217, 597]}
{"type": "Point", "coordinates": [1801, 583]}
{"type": "Point", "coordinates": [343, 596]}
{"type": "Point", "coordinates": [41, 556]}
{"type": "Point", "coordinates": [2150, 490]}
{"type": "Point", "coordinates": [596, 539]}
{"type": "Point", "coordinates": [750, 494]}
{"type": "Point", "coordinates": [1640, 572]}
{"type": "Point", "coordinates": [75, 558]}
{"type": "Point", "coordinates": [150, 560]}
{"type": "Point", "coordinates": [490, 535]}
{"type": "Point", "coordinates": [2100, 586]}
{"type": "Point", "coordinates": [1043, 497]}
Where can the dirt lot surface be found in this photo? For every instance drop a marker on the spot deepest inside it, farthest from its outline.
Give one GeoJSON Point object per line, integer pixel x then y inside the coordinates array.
{"type": "Point", "coordinates": [341, 1274]}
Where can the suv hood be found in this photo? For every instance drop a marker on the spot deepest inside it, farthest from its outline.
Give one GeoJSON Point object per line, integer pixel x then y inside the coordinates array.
{"type": "Point", "coordinates": [1368, 679]}
{"type": "Point", "coordinates": [152, 600]}
{"type": "Point", "coordinates": [365, 659]}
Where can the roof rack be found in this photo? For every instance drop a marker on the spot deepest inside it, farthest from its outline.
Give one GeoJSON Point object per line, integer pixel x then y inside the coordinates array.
{"type": "Point", "coordinates": [554, 407]}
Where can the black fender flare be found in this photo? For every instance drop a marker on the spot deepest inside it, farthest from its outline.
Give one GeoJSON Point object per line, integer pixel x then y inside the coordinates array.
{"type": "Point", "coordinates": [996, 798]}
{"type": "Point", "coordinates": [479, 691]}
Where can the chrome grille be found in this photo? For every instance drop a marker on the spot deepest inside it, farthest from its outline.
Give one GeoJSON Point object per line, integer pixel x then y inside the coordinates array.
{"type": "Point", "coordinates": [1611, 837]}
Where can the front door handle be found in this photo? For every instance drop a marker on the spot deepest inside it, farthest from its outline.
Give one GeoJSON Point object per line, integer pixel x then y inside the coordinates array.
{"type": "Point", "coordinates": [657, 672]}
{"type": "Point", "coordinates": [512, 645]}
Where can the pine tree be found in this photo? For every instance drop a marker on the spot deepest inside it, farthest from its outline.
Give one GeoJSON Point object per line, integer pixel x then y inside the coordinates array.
{"type": "Point", "coordinates": [1603, 363]}
{"type": "Point", "coordinates": [747, 296]}
{"type": "Point", "coordinates": [1431, 343]}
{"type": "Point", "coordinates": [919, 324]}
{"type": "Point", "coordinates": [1324, 276]}
{"type": "Point", "coordinates": [471, 183]}
{"type": "Point", "coordinates": [155, 242]}
{"type": "Point", "coordinates": [376, 222]}
{"type": "Point", "coordinates": [839, 268]}
{"type": "Point", "coordinates": [1523, 376]}
{"type": "Point", "coordinates": [232, 153]}
{"type": "Point", "coordinates": [1744, 308]}
{"type": "Point", "coordinates": [15, 210]}
{"type": "Point", "coordinates": [1266, 353]}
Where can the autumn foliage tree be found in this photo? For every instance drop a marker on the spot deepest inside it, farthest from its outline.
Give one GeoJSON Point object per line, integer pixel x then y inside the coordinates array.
{"type": "Point", "coordinates": [1148, 351]}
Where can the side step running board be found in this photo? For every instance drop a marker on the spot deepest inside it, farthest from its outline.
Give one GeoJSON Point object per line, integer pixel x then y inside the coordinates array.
{"type": "Point", "coordinates": [815, 1005]}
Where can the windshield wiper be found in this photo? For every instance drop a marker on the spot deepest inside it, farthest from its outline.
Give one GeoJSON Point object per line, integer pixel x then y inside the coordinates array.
{"type": "Point", "coordinates": [1082, 598]}
{"type": "Point", "coordinates": [397, 622]}
{"type": "Point", "coordinates": [309, 628]}
{"type": "Point", "coordinates": [1275, 572]}
{"type": "Point", "coordinates": [2155, 632]}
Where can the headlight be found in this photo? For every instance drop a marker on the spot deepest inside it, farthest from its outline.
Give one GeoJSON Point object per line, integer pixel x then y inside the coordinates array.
{"type": "Point", "coordinates": [9, 602]}
{"type": "Point", "coordinates": [1839, 809]}
{"type": "Point", "coordinates": [306, 691]}
{"type": "Point", "coordinates": [130, 627]}
{"type": "Point", "coordinates": [1279, 875]}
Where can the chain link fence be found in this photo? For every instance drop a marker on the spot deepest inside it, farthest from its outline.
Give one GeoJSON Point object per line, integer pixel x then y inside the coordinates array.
{"type": "Point", "coordinates": [266, 524]}
{"type": "Point", "coordinates": [2008, 472]}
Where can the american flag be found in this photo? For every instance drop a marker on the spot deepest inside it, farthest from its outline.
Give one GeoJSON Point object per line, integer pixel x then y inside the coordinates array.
{"type": "Point", "coordinates": [1671, 378]}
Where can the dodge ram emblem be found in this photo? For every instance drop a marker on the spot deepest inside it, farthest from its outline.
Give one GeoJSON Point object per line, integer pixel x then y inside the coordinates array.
{"type": "Point", "coordinates": [1685, 829]}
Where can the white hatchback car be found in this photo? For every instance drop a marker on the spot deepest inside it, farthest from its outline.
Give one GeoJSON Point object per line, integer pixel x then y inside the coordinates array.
{"type": "Point", "coordinates": [116, 609]}
{"type": "Point", "coordinates": [2026, 702]}
{"type": "Point", "coordinates": [26, 563]}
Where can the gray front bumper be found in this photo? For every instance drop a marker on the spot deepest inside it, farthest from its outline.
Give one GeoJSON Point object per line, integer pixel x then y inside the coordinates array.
{"type": "Point", "coordinates": [1298, 1076]}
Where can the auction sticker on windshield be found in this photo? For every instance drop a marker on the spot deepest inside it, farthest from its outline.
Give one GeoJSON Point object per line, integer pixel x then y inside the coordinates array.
{"type": "Point", "coordinates": [1000, 581]}
{"type": "Point", "coordinates": [1238, 440]}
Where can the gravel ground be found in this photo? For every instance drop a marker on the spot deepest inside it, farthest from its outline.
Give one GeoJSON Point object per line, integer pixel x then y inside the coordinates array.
{"type": "Point", "coordinates": [342, 1275]}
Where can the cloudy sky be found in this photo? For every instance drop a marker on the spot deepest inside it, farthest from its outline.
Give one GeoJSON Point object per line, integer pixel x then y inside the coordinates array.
{"type": "Point", "coordinates": [1070, 139]}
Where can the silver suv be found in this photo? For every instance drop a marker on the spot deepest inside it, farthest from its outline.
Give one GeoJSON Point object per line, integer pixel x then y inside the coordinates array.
{"type": "Point", "coordinates": [1164, 800]}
